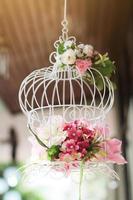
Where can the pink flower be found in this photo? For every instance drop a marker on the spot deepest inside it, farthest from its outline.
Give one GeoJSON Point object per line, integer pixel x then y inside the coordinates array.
{"type": "Point", "coordinates": [83, 65]}
{"type": "Point", "coordinates": [68, 126]}
{"type": "Point", "coordinates": [83, 145]}
{"type": "Point", "coordinates": [113, 148]}
{"type": "Point", "coordinates": [84, 152]}
{"type": "Point", "coordinates": [74, 133]}
{"type": "Point", "coordinates": [88, 135]}
{"type": "Point", "coordinates": [70, 146]}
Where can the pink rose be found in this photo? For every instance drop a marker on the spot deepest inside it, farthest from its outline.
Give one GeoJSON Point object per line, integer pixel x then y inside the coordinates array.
{"type": "Point", "coordinates": [83, 65]}
{"type": "Point", "coordinates": [113, 149]}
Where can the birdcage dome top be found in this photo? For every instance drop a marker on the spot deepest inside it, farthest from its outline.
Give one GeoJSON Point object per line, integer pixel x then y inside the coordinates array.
{"type": "Point", "coordinates": [73, 87]}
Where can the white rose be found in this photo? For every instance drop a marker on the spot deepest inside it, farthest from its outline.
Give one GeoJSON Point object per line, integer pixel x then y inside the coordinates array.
{"type": "Point", "coordinates": [88, 50]}
{"type": "Point", "coordinates": [68, 43]}
{"type": "Point", "coordinates": [68, 57]}
{"type": "Point", "coordinates": [81, 46]}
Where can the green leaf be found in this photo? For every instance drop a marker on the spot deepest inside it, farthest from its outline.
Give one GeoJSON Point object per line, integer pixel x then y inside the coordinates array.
{"type": "Point", "coordinates": [91, 151]}
{"type": "Point", "coordinates": [38, 139]}
{"type": "Point", "coordinates": [63, 66]}
{"type": "Point", "coordinates": [98, 81]}
{"type": "Point", "coordinates": [73, 46]}
{"type": "Point", "coordinates": [53, 152]}
{"type": "Point", "coordinates": [106, 68]}
{"type": "Point", "coordinates": [61, 48]}
{"type": "Point", "coordinates": [99, 84]}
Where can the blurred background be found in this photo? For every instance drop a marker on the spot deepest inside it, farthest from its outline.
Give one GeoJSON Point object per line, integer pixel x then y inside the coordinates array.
{"type": "Point", "coordinates": [28, 29]}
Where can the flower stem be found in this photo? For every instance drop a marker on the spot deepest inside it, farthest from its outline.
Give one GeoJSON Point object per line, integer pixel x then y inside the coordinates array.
{"type": "Point", "coordinates": [81, 179]}
{"type": "Point", "coordinates": [37, 138]}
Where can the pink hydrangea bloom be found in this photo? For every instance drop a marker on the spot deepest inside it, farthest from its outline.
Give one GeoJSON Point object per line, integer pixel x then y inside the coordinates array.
{"type": "Point", "coordinates": [113, 148]}
{"type": "Point", "coordinates": [83, 144]}
{"type": "Point", "coordinates": [70, 146]}
{"type": "Point", "coordinates": [79, 138]}
{"type": "Point", "coordinates": [88, 134]}
{"type": "Point", "coordinates": [83, 65]}
{"type": "Point", "coordinates": [72, 134]}
{"type": "Point", "coordinates": [68, 126]}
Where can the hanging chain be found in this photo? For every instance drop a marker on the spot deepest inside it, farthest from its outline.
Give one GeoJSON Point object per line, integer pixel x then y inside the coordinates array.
{"type": "Point", "coordinates": [65, 23]}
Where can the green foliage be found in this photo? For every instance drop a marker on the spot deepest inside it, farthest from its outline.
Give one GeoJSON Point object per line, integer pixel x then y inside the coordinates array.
{"type": "Point", "coordinates": [73, 46]}
{"type": "Point", "coordinates": [31, 196]}
{"type": "Point", "coordinates": [104, 65]}
{"type": "Point", "coordinates": [61, 48]}
{"type": "Point", "coordinates": [99, 83]}
{"type": "Point", "coordinates": [92, 150]}
{"type": "Point", "coordinates": [53, 152]}
{"type": "Point", "coordinates": [63, 66]}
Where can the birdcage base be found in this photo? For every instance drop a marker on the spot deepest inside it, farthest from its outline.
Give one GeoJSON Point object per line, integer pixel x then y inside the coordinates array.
{"type": "Point", "coordinates": [59, 169]}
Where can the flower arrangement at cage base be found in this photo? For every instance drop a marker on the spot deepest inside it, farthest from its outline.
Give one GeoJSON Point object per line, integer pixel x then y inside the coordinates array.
{"type": "Point", "coordinates": [82, 142]}
{"type": "Point", "coordinates": [84, 57]}
{"type": "Point", "coordinates": [75, 144]}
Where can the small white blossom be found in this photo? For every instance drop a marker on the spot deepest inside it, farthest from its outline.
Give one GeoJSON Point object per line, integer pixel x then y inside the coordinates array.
{"type": "Point", "coordinates": [79, 53]}
{"type": "Point", "coordinates": [88, 50]}
{"type": "Point", "coordinates": [68, 44]}
{"type": "Point", "coordinates": [58, 61]}
{"type": "Point", "coordinates": [68, 57]}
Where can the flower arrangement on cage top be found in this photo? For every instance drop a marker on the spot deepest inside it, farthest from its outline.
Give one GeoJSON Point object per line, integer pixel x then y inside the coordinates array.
{"type": "Point", "coordinates": [83, 57]}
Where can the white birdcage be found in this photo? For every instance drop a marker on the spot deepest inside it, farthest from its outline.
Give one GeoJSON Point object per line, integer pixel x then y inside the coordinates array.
{"type": "Point", "coordinates": [66, 108]}
{"type": "Point", "coordinates": [53, 96]}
